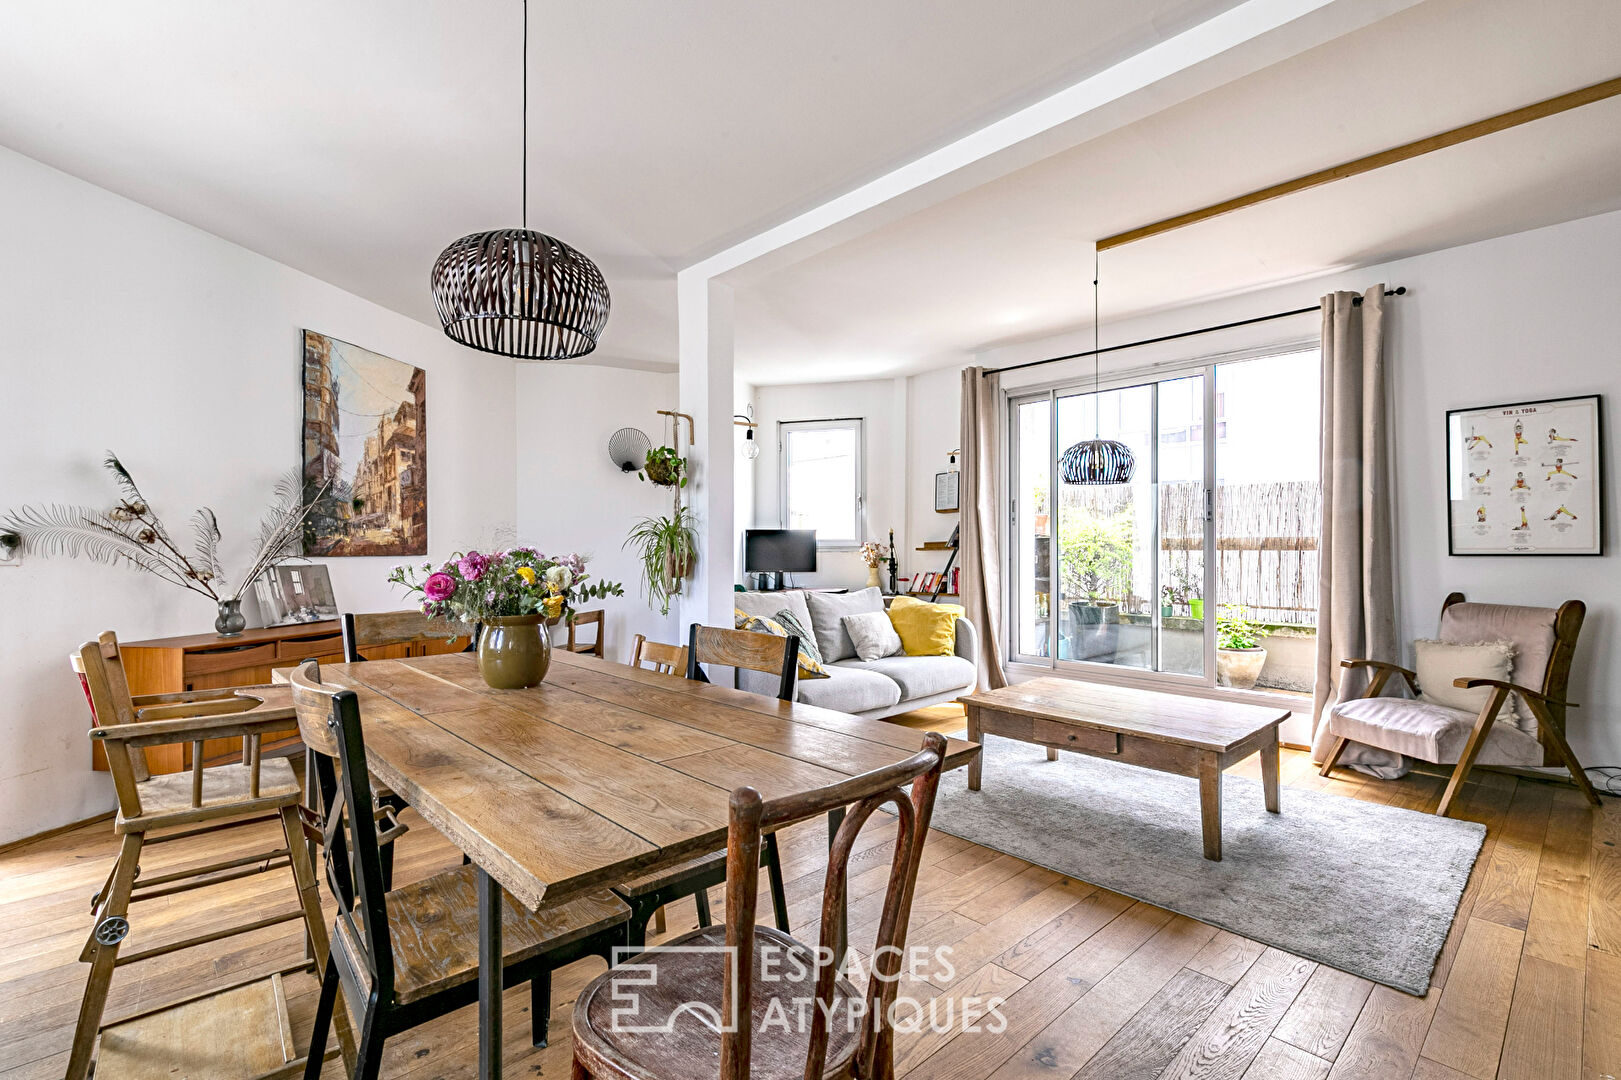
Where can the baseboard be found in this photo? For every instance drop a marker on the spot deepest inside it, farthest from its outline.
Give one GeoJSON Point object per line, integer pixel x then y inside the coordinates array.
{"type": "Point", "coordinates": [12, 845]}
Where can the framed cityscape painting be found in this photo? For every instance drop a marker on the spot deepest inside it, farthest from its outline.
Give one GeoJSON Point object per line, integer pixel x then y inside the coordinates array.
{"type": "Point", "coordinates": [1526, 479]}
{"type": "Point", "coordinates": [365, 451]}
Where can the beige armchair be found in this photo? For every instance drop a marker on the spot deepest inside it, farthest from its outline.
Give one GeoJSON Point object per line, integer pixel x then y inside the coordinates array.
{"type": "Point", "coordinates": [1544, 640]}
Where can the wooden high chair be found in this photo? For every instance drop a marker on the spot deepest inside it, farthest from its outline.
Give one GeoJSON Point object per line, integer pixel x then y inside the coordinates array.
{"type": "Point", "coordinates": [174, 806]}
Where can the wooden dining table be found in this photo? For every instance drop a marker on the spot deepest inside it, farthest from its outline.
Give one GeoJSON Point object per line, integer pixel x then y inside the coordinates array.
{"type": "Point", "coordinates": [602, 773]}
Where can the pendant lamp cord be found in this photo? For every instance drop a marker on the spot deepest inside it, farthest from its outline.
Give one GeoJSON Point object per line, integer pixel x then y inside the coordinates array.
{"type": "Point", "coordinates": [1097, 376]}
{"type": "Point", "coordinates": [526, 114]}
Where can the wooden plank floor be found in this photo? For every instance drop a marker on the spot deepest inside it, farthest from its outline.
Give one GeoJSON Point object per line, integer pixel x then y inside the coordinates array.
{"type": "Point", "coordinates": [1096, 985]}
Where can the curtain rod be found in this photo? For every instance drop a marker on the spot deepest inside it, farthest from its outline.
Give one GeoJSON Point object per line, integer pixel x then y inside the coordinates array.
{"type": "Point", "coordinates": [1400, 290]}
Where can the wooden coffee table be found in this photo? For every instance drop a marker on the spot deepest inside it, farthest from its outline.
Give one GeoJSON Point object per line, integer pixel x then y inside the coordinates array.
{"type": "Point", "coordinates": [1187, 736]}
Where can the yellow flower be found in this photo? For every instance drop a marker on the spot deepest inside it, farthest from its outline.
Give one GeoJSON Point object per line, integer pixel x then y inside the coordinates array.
{"type": "Point", "coordinates": [528, 574]}
{"type": "Point", "coordinates": [554, 606]}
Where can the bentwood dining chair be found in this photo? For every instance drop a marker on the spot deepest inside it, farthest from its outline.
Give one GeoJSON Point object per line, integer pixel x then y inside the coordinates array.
{"type": "Point", "coordinates": [647, 895]}
{"type": "Point", "coordinates": [686, 1009]}
{"type": "Point", "coordinates": [405, 956]}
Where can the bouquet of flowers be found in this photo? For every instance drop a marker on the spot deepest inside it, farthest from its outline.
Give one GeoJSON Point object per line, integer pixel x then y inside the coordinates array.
{"type": "Point", "coordinates": [475, 587]}
{"type": "Point", "coordinates": [872, 553]}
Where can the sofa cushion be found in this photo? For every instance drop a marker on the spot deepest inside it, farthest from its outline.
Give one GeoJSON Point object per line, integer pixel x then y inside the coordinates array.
{"type": "Point", "coordinates": [767, 604]}
{"type": "Point", "coordinates": [810, 665]}
{"type": "Point", "coordinates": [917, 676]}
{"type": "Point", "coordinates": [872, 634]}
{"type": "Point", "coordinates": [1429, 732]}
{"type": "Point", "coordinates": [850, 690]}
{"type": "Point", "coordinates": [1529, 629]}
{"type": "Point", "coordinates": [1438, 663]}
{"type": "Point", "coordinates": [826, 611]}
{"type": "Point", "coordinates": [925, 629]}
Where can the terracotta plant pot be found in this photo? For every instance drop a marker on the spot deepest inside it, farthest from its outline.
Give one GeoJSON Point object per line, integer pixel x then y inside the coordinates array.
{"type": "Point", "coordinates": [1239, 668]}
{"type": "Point", "coordinates": [514, 652]}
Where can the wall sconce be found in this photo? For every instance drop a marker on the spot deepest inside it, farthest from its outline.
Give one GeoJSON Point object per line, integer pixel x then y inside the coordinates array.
{"type": "Point", "coordinates": [751, 448]}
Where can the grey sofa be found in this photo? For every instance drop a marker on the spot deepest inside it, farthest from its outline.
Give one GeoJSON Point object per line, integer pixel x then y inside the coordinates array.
{"type": "Point", "coordinates": [867, 688]}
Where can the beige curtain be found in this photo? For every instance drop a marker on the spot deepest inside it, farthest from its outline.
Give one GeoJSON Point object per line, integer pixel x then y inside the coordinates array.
{"type": "Point", "coordinates": [979, 553]}
{"type": "Point", "coordinates": [1356, 607]}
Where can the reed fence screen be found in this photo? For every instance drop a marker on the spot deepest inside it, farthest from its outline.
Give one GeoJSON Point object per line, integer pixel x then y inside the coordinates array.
{"type": "Point", "coordinates": [1266, 546]}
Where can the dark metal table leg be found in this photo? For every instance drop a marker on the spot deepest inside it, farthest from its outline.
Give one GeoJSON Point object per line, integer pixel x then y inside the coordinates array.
{"type": "Point", "coordinates": [489, 977]}
{"type": "Point", "coordinates": [841, 936]}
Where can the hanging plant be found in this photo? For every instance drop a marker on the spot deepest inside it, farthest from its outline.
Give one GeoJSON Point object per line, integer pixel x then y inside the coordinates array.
{"type": "Point", "coordinates": [668, 550]}
{"type": "Point", "coordinates": [665, 468]}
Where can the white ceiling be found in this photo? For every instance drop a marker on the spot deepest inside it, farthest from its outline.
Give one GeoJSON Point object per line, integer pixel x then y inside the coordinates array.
{"type": "Point", "coordinates": [1012, 260]}
{"type": "Point", "coordinates": [354, 140]}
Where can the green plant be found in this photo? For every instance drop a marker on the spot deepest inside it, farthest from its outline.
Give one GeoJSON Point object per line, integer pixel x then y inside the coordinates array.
{"type": "Point", "coordinates": [667, 548]}
{"type": "Point", "coordinates": [1095, 554]}
{"type": "Point", "coordinates": [664, 467]}
{"type": "Point", "coordinates": [1235, 630]}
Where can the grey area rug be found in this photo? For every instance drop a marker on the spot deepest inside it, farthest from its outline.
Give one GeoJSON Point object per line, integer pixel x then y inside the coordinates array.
{"type": "Point", "coordinates": [1365, 888]}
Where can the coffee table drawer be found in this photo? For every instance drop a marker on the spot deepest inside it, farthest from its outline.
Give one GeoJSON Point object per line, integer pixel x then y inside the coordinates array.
{"type": "Point", "coordinates": [1070, 737]}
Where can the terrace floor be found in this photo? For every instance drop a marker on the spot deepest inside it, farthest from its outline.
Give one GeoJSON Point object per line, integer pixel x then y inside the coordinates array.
{"type": "Point", "coordinates": [1097, 986]}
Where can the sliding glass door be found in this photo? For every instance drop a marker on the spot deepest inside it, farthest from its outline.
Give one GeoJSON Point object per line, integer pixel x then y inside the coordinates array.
{"type": "Point", "coordinates": [1135, 577]}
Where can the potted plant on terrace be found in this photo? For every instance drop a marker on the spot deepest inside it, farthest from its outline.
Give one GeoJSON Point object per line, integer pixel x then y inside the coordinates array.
{"type": "Point", "coordinates": [509, 594]}
{"type": "Point", "coordinates": [1239, 655]}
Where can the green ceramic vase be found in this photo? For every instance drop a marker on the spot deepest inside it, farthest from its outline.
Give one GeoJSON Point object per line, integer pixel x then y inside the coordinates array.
{"type": "Point", "coordinates": [514, 651]}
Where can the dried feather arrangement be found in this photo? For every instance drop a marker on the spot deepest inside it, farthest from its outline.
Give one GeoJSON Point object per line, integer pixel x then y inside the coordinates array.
{"type": "Point", "coordinates": [132, 533]}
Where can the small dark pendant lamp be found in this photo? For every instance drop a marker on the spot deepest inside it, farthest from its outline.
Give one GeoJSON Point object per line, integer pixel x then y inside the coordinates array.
{"type": "Point", "coordinates": [1097, 460]}
{"type": "Point", "coordinates": [517, 292]}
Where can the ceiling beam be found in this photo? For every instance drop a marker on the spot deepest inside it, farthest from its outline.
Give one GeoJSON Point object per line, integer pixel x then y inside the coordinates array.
{"type": "Point", "coordinates": [1502, 121]}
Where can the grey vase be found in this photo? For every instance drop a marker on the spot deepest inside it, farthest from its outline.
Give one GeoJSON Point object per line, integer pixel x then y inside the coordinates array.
{"type": "Point", "coordinates": [231, 621]}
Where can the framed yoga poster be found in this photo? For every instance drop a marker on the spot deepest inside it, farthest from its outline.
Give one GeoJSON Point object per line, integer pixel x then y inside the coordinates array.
{"type": "Point", "coordinates": [1526, 479]}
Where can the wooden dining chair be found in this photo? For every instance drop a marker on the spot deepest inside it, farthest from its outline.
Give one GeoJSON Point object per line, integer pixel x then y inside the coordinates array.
{"type": "Point", "coordinates": [664, 659]}
{"type": "Point", "coordinates": [581, 620]}
{"type": "Point", "coordinates": [744, 650]}
{"type": "Point", "coordinates": [647, 895]}
{"type": "Point", "coordinates": [399, 628]}
{"type": "Point", "coordinates": [405, 956]}
{"type": "Point", "coordinates": [174, 806]}
{"type": "Point", "coordinates": [689, 1008]}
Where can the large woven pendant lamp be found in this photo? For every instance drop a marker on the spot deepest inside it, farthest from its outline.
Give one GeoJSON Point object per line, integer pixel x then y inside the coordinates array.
{"type": "Point", "coordinates": [1097, 460]}
{"type": "Point", "coordinates": [517, 292]}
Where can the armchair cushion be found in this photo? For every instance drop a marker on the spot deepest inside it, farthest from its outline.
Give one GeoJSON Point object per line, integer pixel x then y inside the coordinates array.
{"type": "Point", "coordinates": [1429, 732]}
{"type": "Point", "coordinates": [1438, 663]}
{"type": "Point", "coordinates": [1529, 629]}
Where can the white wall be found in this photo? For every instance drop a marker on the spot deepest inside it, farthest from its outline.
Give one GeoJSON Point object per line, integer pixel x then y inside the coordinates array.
{"type": "Point", "coordinates": [881, 403]}
{"type": "Point", "coordinates": [570, 497]}
{"type": "Point", "coordinates": [128, 330]}
{"type": "Point", "coordinates": [934, 407]}
{"type": "Point", "coordinates": [1528, 316]}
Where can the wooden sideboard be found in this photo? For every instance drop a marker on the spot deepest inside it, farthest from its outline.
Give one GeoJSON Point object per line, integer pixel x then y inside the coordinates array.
{"type": "Point", "coordinates": [208, 661]}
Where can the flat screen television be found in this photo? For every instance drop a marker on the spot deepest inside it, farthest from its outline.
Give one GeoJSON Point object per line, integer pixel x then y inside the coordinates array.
{"type": "Point", "coordinates": [777, 551]}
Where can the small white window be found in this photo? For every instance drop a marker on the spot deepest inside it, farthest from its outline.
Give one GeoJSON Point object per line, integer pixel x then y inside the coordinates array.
{"type": "Point", "coordinates": [823, 485]}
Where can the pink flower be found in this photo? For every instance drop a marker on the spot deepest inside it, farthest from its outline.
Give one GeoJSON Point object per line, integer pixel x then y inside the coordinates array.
{"type": "Point", "coordinates": [439, 586]}
{"type": "Point", "coordinates": [473, 565]}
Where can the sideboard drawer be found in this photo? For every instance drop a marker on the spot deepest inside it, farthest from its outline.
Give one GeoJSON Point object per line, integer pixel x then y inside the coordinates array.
{"type": "Point", "coordinates": [303, 648]}
{"type": "Point", "coordinates": [1070, 737]}
{"type": "Point", "coordinates": [204, 663]}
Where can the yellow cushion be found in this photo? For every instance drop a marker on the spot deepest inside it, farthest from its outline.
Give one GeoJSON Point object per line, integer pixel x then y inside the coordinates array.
{"type": "Point", "coordinates": [810, 666]}
{"type": "Point", "coordinates": [926, 629]}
